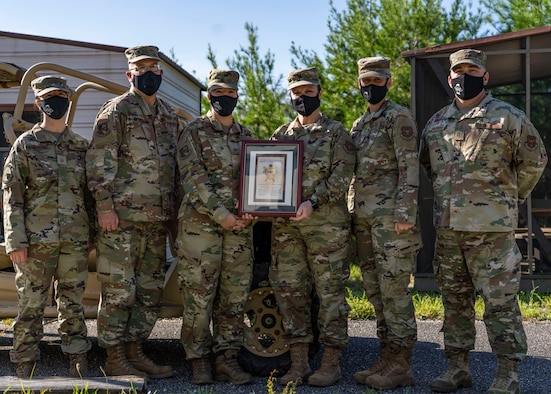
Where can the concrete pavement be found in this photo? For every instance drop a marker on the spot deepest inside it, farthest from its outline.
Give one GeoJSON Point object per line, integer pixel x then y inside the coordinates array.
{"type": "Point", "coordinates": [428, 359]}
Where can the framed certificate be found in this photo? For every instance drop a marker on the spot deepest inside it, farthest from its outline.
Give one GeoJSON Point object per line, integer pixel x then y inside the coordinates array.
{"type": "Point", "coordinates": [271, 178]}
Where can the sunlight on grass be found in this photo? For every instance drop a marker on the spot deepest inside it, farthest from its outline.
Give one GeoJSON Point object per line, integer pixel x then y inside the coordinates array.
{"type": "Point", "coordinates": [428, 305]}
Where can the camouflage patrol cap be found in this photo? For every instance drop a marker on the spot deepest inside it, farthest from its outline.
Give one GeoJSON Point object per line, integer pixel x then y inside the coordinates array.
{"type": "Point", "coordinates": [303, 76]}
{"type": "Point", "coordinates": [222, 79]}
{"type": "Point", "coordinates": [377, 66]}
{"type": "Point", "coordinates": [471, 56]}
{"type": "Point", "coordinates": [141, 52]}
{"type": "Point", "coordinates": [49, 83]}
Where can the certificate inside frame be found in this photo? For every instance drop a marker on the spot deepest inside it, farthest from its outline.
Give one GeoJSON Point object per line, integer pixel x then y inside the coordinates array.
{"type": "Point", "coordinates": [271, 177]}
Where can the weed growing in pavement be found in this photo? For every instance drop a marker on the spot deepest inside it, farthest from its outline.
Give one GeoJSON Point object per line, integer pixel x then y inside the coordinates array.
{"type": "Point", "coordinates": [290, 388]}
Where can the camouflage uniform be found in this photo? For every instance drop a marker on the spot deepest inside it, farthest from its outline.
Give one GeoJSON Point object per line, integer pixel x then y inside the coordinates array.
{"type": "Point", "coordinates": [383, 199]}
{"type": "Point", "coordinates": [384, 191]}
{"type": "Point", "coordinates": [131, 168]}
{"type": "Point", "coordinates": [215, 268]}
{"type": "Point", "coordinates": [214, 263]}
{"type": "Point", "coordinates": [44, 186]}
{"type": "Point", "coordinates": [316, 251]}
{"type": "Point", "coordinates": [481, 163]}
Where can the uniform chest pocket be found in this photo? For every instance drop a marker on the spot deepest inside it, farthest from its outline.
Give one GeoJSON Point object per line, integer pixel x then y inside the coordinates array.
{"type": "Point", "coordinates": [494, 147]}
{"type": "Point", "coordinates": [490, 146]}
{"type": "Point", "coordinates": [76, 161]}
{"type": "Point", "coordinates": [43, 166]}
{"type": "Point", "coordinates": [213, 151]}
{"type": "Point", "coordinates": [318, 156]}
{"type": "Point", "coordinates": [372, 139]}
{"type": "Point", "coordinates": [140, 142]}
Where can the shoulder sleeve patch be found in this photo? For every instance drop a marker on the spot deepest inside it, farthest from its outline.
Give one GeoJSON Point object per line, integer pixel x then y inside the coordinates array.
{"type": "Point", "coordinates": [407, 132]}
{"type": "Point", "coordinates": [349, 147]}
{"type": "Point", "coordinates": [102, 129]}
{"type": "Point", "coordinates": [531, 142]}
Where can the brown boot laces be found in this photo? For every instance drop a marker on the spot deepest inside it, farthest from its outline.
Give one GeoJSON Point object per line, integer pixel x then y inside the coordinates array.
{"type": "Point", "coordinates": [78, 364]}
{"type": "Point", "coordinates": [233, 364]}
{"type": "Point", "coordinates": [329, 362]}
{"type": "Point", "coordinates": [200, 367]}
{"type": "Point", "coordinates": [503, 377]}
{"type": "Point", "coordinates": [24, 369]}
{"type": "Point", "coordinates": [121, 355]}
{"type": "Point", "coordinates": [450, 371]}
{"type": "Point", "coordinates": [381, 364]}
{"type": "Point", "coordinates": [202, 373]}
{"type": "Point", "coordinates": [299, 365]}
{"type": "Point", "coordinates": [388, 366]}
{"type": "Point", "coordinates": [143, 358]}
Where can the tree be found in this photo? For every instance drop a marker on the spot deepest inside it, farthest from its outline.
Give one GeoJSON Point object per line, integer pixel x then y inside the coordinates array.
{"type": "Point", "coordinates": [382, 28]}
{"type": "Point", "coordinates": [205, 105]}
{"type": "Point", "coordinates": [514, 15]}
{"type": "Point", "coordinates": [261, 106]}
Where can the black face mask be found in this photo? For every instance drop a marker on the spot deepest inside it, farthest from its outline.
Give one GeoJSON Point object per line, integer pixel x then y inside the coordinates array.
{"type": "Point", "coordinates": [55, 107]}
{"type": "Point", "coordinates": [466, 86]}
{"type": "Point", "coordinates": [223, 105]}
{"type": "Point", "coordinates": [147, 83]}
{"type": "Point", "coordinates": [305, 105]}
{"type": "Point", "coordinates": [373, 93]}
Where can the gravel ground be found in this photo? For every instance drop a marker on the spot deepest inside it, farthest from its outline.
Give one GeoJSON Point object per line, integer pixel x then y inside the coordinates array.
{"type": "Point", "coordinates": [428, 360]}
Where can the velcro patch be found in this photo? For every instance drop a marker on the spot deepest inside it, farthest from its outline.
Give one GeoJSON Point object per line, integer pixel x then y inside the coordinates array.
{"type": "Point", "coordinates": [407, 132]}
{"type": "Point", "coordinates": [531, 142]}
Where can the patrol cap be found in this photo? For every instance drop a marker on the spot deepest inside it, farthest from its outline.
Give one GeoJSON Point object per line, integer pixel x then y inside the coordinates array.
{"type": "Point", "coordinates": [222, 79]}
{"type": "Point", "coordinates": [471, 56]}
{"type": "Point", "coordinates": [377, 66]}
{"type": "Point", "coordinates": [303, 76]}
{"type": "Point", "coordinates": [49, 83]}
{"type": "Point", "coordinates": [141, 52]}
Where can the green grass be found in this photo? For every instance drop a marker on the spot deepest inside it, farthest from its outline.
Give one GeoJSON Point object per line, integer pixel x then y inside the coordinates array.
{"type": "Point", "coordinates": [534, 306]}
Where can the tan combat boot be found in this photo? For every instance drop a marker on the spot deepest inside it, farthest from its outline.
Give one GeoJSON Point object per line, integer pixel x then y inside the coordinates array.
{"type": "Point", "coordinates": [300, 367]}
{"type": "Point", "coordinates": [202, 373]}
{"type": "Point", "coordinates": [457, 375]}
{"type": "Point", "coordinates": [506, 381]}
{"type": "Point", "coordinates": [329, 371]}
{"type": "Point", "coordinates": [117, 364]}
{"type": "Point", "coordinates": [227, 369]}
{"type": "Point", "coordinates": [141, 362]}
{"type": "Point", "coordinates": [396, 372]}
{"type": "Point", "coordinates": [78, 365]}
{"type": "Point", "coordinates": [384, 356]}
{"type": "Point", "coordinates": [25, 369]}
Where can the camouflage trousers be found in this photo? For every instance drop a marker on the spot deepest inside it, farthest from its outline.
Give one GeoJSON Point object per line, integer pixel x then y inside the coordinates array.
{"type": "Point", "coordinates": [215, 273]}
{"type": "Point", "coordinates": [304, 256]}
{"type": "Point", "coordinates": [131, 268]}
{"type": "Point", "coordinates": [489, 264]}
{"type": "Point", "coordinates": [67, 264]}
{"type": "Point", "coordinates": [386, 261]}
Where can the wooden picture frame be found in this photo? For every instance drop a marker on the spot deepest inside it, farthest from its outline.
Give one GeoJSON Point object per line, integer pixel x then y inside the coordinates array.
{"type": "Point", "coordinates": [271, 178]}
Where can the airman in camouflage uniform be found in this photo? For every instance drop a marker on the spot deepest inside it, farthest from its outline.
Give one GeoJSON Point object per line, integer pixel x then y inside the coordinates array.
{"type": "Point", "coordinates": [214, 243]}
{"type": "Point", "coordinates": [314, 247]}
{"type": "Point", "coordinates": [131, 167]}
{"type": "Point", "coordinates": [383, 197]}
{"type": "Point", "coordinates": [483, 157]}
{"type": "Point", "coordinates": [46, 228]}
